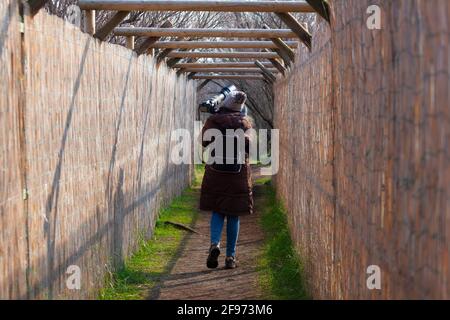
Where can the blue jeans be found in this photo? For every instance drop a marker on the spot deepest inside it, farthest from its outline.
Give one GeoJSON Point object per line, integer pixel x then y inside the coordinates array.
{"type": "Point", "coordinates": [217, 221]}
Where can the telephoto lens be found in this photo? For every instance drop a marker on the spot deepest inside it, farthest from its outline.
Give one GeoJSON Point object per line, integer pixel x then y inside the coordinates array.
{"type": "Point", "coordinates": [213, 105]}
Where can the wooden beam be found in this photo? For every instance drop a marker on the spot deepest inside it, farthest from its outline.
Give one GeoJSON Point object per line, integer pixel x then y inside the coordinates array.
{"type": "Point", "coordinates": [196, 5]}
{"type": "Point", "coordinates": [265, 71]}
{"type": "Point", "coordinates": [283, 56]}
{"type": "Point", "coordinates": [296, 27]}
{"type": "Point", "coordinates": [162, 55]}
{"type": "Point", "coordinates": [190, 61]}
{"type": "Point", "coordinates": [36, 5]}
{"type": "Point", "coordinates": [220, 44]}
{"type": "Point", "coordinates": [227, 77]}
{"type": "Point", "coordinates": [282, 48]}
{"type": "Point", "coordinates": [236, 55]}
{"type": "Point", "coordinates": [229, 70]}
{"type": "Point", "coordinates": [219, 65]}
{"type": "Point", "coordinates": [150, 40]}
{"type": "Point", "coordinates": [109, 26]}
{"type": "Point", "coordinates": [322, 7]}
{"type": "Point", "coordinates": [279, 66]}
{"type": "Point", "coordinates": [196, 32]}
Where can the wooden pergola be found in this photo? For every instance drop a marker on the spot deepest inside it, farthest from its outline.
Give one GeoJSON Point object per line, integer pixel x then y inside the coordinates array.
{"type": "Point", "coordinates": [276, 46]}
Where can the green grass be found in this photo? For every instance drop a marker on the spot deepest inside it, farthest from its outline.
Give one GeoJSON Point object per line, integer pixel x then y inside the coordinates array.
{"type": "Point", "coordinates": [145, 268]}
{"type": "Point", "coordinates": [280, 269]}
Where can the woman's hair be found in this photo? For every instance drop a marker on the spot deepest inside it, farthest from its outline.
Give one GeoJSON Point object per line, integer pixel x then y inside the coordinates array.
{"type": "Point", "coordinates": [235, 101]}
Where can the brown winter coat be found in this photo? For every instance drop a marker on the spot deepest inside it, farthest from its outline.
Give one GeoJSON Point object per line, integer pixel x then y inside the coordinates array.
{"type": "Point", "coordinates": [222, 192]}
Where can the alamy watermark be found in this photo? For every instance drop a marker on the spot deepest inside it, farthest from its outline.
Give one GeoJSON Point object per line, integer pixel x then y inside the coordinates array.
{"type": "Point", "coordinates": [73, 281]}
{"type": "Point", "coordinates": [374, 279]}
{"type": "Point", "coordinates": [374, 20]}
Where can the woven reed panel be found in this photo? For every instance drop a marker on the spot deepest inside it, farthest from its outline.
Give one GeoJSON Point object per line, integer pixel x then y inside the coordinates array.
{"type": "Point", "coordinates": [98, 121]}
{"type": "Point", "coordinates": [389, 129]}
{"type": "Point", "coordinates": [13, 249]}
{"type": "Point", "coordinates": [303, 115]}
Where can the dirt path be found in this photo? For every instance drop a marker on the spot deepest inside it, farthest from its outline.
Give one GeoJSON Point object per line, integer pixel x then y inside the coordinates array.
{"type": "Point", "coordinates": [191, 279]}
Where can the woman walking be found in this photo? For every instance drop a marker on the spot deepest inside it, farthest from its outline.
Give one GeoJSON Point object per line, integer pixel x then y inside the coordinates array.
{"type": "Point", "coordinates": [227, 188]}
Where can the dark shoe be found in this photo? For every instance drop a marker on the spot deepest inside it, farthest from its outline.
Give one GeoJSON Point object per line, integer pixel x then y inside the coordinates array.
{"type": "Point", "coordinates": [230, 263]}
{"type": "Point", "coordinates": [214, 253]}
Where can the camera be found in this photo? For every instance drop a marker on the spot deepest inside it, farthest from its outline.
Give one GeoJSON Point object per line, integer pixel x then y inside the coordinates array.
{"type": "Point", "coordinates": [213, 105]}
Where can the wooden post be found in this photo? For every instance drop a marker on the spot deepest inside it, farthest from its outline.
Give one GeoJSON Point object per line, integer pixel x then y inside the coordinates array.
{"type": "Point", "coordinates": [265, 71]}
{"type": "Point", "coordinates": [208, 33]}
{"type": "Point", "coordinates": [227, 77]}
{"type": "Point", "coordinates": [296, 27]}
{"type": "Point", "coordinates": [108, 27]}
{"type": "Point", "coordinates": [221, 44]}
{"type": "Point", "coordinates": [89, 25]}
{"type": "Point", "coordinates": [150, 40]}
{"type": "Point", "coordinates": [196, 5]}
{"type": "Point", "coordinates": [219, 65]}
{"type": "Point", "coordinates": [240, 55]}
{"type": "Point", "coordinates": [130, 42]}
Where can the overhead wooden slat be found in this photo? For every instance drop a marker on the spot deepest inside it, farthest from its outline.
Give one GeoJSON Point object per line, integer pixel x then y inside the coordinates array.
{"type": "Point", "coordinates": [196, 5]}
{"type": "Point", "coordinates": [219, 65]}
{"type": "Point", "coordinates": [237, 55]}
{"type": "Point", "coordinates": [143, 47]}
{"type": "Point", "coordinates": [227, 77]}
{"type": "Point", "coordinates": [220, 44]}
{"type": "Point", "coordinates": [229, 70]}
{"type": "Point", "coordinates": [108, 27]}
{"type": "Point", "coordinates": [164, 53]}
{"type": "Point", "coordinates": [196, 32]}
{"type": "Point", "coordinates": [189, 61]}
